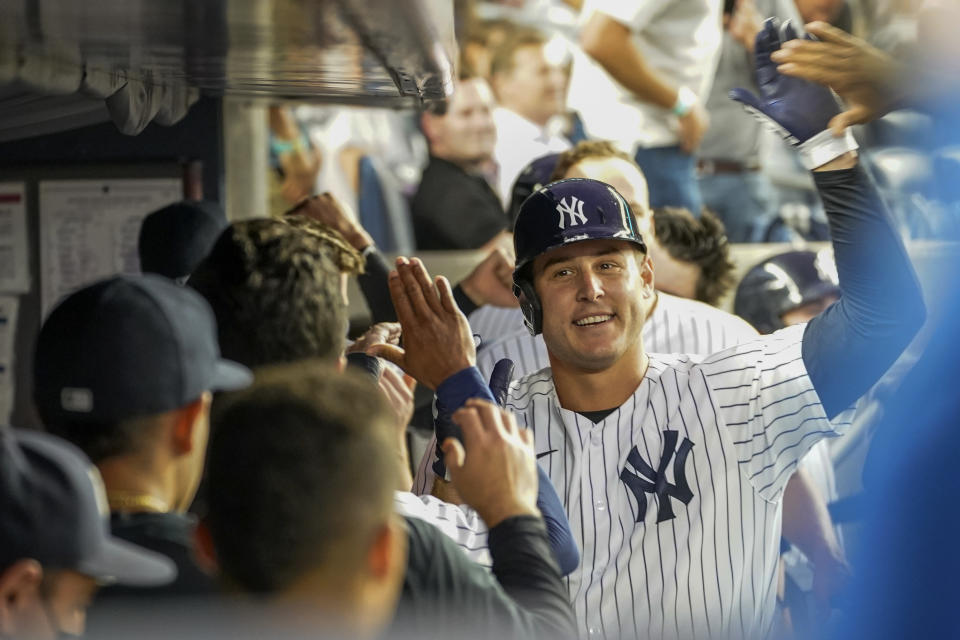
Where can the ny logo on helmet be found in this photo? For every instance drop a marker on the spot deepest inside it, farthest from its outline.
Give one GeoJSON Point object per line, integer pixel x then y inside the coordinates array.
{"type": "Point", "coordinates": [574, 210]}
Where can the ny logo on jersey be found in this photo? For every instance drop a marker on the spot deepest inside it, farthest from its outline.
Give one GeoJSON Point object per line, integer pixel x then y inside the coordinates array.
{"type": "Point", "coordinates": [655, 481]}
{"type": "Point", "coordinates": [573, 210]}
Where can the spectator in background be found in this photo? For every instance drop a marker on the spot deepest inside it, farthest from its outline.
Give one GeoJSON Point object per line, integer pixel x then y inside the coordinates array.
{"type": "Point", "coordinates": [529, 80]}
{"type": "Point", "coordinates": [124, 369]}
{"type": "Point", "coordinates": [732, 182]}
{"type": "Point", "coordinates": [484, 37]}
{"type": "Point", "coordinates": [656, 63]}
{"type": "Point", "coordinates": [176, 238]}
{"type": "Point", "coordinates": [294, 161]}
{"type": "Point", "coordinates": [695, 259]}
{"type": "Point", "coordinates": [55, 549]}
{"type": "Point", "coordinates": [454, 206]}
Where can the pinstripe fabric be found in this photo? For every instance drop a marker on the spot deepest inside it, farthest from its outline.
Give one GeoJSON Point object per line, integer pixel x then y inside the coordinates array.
{"type": "Point", "coordinates": [460, 523]}
{"type": "Point", "coordinates": [676, 325]}
{"type": "Point", "coordinates": [749, 413]}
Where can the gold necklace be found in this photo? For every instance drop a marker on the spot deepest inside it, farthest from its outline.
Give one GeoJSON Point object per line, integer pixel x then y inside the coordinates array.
{"type": "Point", "coordinates": [129, 501]}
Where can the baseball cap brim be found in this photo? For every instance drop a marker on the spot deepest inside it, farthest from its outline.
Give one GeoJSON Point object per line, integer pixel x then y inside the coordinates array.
{"type": "Point", "coordinates": [230, 376]}
{"type": "Point", "coordinates": [122, 562]}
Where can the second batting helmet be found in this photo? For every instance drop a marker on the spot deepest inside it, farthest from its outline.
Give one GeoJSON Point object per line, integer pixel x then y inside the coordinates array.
{"type": "Point", "coordinates": [562, 213]}
{"type": "Point", "coordinates": [783, 283]}
{"type": "Point", "coordinates": [534, 175]}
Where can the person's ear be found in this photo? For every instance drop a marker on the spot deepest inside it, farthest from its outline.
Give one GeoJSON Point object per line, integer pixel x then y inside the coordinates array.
{"type": "Point", "coordinates": [384, 557]}
{"type": "Point", "coordinates": [430, 125]}
{"type": "Point", "coordinates": [188, 419]}
{"type": "Point", "coordinates": [646, 275]}
{"type": "Point", "coordinates": [19, 586]}
{"type": "Point", "coordinates": [205, 553]}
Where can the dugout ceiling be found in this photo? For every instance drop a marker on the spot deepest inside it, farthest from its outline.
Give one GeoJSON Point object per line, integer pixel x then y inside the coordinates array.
{"type": "Point", "coordinates": [67, 63]}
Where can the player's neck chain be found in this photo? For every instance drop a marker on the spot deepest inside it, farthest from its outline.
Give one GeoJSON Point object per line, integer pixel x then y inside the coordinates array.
{"type": "Point", "coordinates": [133, 502]}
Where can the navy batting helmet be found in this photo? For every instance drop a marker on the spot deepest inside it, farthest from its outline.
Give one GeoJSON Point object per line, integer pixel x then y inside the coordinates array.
{"type": "Point", "coordinates": [561, 213]}
{"type": "Point", "coordinates": [783, 283]}
{"type": "Point", "coordinates": [534, 175]}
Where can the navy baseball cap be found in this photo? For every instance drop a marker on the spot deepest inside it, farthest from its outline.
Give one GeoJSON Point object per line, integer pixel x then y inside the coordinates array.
{"type": "Point", "coordinates": [175, 239]}
{"type": "Point", "coordinates": [53, 509]}
{"type": "Point", "coordinates": [568, 211]}
{"type": "Point", "coordinates": [129, 346]}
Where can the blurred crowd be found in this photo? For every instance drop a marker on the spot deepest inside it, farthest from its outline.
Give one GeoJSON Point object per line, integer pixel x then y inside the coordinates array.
{"type": "Point", "coordinates": [223, 453]}
{"type": "Point", "coordinates": [537, 77]}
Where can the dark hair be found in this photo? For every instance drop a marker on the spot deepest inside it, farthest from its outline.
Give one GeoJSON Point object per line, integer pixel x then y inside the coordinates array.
{"type": "Point", "coordinates": [439, 108]}
{"type": "Point", "coordinates": [702, 242]}
{"type": "Point", "coordinates": [587, 150]}
{"type": "Point", "coordinates": [274, 287]}
{"type": "Point", "coordinates": [300, 475]}
{"type": "Point", "coordinates": [503, 60]}
{"type": "Point", "coordinates": [101, 440]}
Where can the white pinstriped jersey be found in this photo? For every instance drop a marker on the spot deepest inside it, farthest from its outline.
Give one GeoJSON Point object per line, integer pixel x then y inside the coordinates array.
{"type": "Point", "coordinates": [676, 325]}
{"type": "Point", "coordinates": [459, 523]}
{"type": "Point", "coordinates": [674, 498]}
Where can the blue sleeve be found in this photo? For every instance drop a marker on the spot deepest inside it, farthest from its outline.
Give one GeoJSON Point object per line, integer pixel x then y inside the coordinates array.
{"type": "Point", "coordinates": [558, 527]}
{"type": "Point", "coordinates": [848, 347]}
{"type": "Point", "coordinates": [452, 393]}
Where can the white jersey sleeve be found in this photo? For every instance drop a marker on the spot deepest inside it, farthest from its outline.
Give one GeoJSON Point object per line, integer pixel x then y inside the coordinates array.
{"type": "Point", "coordinates": [492, 323]}
{"type": "Point", "coordinates": [766, 402]}
{"type": "Point", "coordinates": [528, 353]}
{"type": "Point", "coordinates": [460, 523]}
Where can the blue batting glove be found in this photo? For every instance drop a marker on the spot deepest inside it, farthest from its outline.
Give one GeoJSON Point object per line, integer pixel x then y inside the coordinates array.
{"type": "Point", "coordinates": [798, 110]}
{"type": "Point", "coordinates": [500, 379]}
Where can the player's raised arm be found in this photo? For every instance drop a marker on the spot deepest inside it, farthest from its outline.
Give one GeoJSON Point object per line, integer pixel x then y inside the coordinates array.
{"type": "Point", "coordinates": [438, 351]}
{"type": "Point", "coordinates": [848, 347]}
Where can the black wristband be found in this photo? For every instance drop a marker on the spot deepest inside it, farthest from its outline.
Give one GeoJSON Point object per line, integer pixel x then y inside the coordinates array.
{"type": "Point", "coordinates": [463, 301]}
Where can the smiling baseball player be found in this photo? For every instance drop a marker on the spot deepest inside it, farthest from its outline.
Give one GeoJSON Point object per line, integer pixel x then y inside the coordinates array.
{"type": "Point", "coordinates": [671, 468]}
{"type": "Point", "coordinates": [674, 325]}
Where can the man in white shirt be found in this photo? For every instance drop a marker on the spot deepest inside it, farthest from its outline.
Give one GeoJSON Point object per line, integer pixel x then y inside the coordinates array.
{"type": "Point", "coordinates": [648, 67]}
{"type": "Point", "coordinates": [529, 80]}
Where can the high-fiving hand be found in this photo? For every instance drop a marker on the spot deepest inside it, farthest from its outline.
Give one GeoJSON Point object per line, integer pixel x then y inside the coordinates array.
{"type": "Point", "coordinates": [869, 81]}
{"type": "Point", "coordinates": [495, 469]}
{"type": "Point", "coordinates": [437, 341]}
